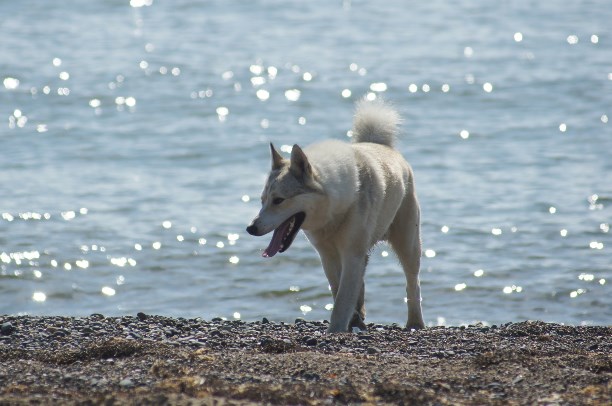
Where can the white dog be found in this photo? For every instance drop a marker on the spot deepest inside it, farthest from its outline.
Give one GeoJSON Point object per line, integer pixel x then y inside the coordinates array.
{"type": "Point", "coordinates": [346, 198]}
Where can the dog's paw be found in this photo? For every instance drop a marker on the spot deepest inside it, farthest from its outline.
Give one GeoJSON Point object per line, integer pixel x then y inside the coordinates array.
{"type": "Point", "coordinates": [357, 322]}
{"type": "Point", "coordinates": [415, 326]}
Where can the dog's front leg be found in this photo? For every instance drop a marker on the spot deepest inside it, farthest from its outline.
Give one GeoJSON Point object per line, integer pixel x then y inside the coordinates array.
{"type": "Point", "coordinates": [330, 259]}
{"type": "Point", "coordinates": [351, 284]}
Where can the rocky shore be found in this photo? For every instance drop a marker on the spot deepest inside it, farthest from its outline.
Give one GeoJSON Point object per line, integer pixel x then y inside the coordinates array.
{"type": "Point", "coordinates": [152, 360]}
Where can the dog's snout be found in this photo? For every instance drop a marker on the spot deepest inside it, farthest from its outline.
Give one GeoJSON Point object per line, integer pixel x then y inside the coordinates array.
{"type": "Point", "coordinates": [252, 229]}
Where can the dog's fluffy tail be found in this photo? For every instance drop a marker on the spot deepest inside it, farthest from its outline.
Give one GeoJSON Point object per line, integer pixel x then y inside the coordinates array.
{"type": "Point", "coordinates": [375, 121]}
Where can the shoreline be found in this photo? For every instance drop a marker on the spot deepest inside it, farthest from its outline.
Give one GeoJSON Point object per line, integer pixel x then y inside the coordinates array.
{"type": "Point", "coordinates": [159, 360]}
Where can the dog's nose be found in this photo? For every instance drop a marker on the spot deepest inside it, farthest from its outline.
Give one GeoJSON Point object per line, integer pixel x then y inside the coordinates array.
{"type": "Point", "coordinates": [252, 229]}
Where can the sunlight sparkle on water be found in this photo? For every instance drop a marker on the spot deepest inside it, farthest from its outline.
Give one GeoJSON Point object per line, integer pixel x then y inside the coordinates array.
{"type": "Point", "coordinates": [478, 273]}
{"type": "Point", "coordinates": [518, 37]}
{"type": "Point", "coordinates": [292, 94]}
{"type": "Point", "coordinates": [413, 88]}
{"type": "Point", "coordinates": [378, 87]}
{"type": "Point", "coordinates": [429, 253]}
{"type": "Point", "coordinates": [596, 245]}
{"type": "Point", "coordinates": [140, 3]}
{"type": "Point", "coordinates": [234, 259]}
{"type": "Point", "coordinates": [39, 297]}
{"type": "Point", "coordinates": [460, 286]}
{"type": "Point", "coordinates": [11, 83]}
{"type": "Point", "coordinates": [465, 134]}
{"type": "Point", "coordinates": [256, 69]}
{"type": "Point", "coordinates": [82, 263]}
{"type": "Point", "coordinates": [108, 291]}
{"type": "Point", "coordinates": [511, 289]}
{"type": "Point", "coordinates": [346, 93]}
{"type": "Point", "coordinates": [575, 293]}
{"type": "Point", "coordinates": [258, 81]}
{"type": "Point", "coordinates": [272, 72]}
{"type": "Point", "coordinates": [263, 94]}
{"type": "Point", "coordinates": [305, 309]}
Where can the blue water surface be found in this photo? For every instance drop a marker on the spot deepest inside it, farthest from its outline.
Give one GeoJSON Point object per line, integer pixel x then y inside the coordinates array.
{"type": "Point", "coordinates": [133, 138]}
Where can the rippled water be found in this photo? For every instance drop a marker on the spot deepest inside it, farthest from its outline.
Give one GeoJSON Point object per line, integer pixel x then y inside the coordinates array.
{"type": "Point", "coordinates": [134, 148]}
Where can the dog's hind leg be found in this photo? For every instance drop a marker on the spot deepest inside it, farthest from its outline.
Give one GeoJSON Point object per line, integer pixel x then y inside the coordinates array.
{"type": "Point", "coordinates": [360, 312]}
{"type": "Point", "coordinates": [404, 237]}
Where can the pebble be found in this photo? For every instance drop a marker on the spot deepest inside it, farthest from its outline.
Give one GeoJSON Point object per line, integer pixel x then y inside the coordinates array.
{"type": "Point", "coordinates": [126, 383]}
{"type": "Point", "coordinates": [7, 329]}
{"type": "Point", "coordinates": [311, 341]}
{"type": "Point", "coordinates": [373, 350]}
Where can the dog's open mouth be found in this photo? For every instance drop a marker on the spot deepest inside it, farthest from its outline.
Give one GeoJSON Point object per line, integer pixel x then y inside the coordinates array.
{"type": "Point", "coordinates": [284, 235]}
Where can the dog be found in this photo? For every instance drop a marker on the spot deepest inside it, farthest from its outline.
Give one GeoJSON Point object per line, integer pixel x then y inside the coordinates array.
{"type": "Point", "coordinates": [347, 197]}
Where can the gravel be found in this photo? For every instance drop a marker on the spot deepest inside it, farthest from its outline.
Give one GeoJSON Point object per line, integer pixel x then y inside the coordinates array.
{"type": "Point", "coordinates": [155, 360]}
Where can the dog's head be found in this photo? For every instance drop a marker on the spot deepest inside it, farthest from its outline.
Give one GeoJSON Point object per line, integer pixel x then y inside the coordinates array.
{"type": "Point", "coordinates": [287, 201]}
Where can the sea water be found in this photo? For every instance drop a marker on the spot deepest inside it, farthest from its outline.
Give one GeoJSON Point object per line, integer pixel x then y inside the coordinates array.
{"type": "Point", "coordinates": [134, 146]}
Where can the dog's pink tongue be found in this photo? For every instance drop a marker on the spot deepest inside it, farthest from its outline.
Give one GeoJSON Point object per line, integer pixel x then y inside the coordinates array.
{"type": "Point", "coordinates": [277, 239]}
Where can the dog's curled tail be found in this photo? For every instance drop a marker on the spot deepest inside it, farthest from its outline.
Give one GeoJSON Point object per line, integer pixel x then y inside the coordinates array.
{"type": "Point", "coordinates": [375, 121]}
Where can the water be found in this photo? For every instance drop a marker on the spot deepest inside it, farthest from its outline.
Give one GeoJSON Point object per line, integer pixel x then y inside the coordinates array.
{"type": "Point", "coordinates": [134, 148]}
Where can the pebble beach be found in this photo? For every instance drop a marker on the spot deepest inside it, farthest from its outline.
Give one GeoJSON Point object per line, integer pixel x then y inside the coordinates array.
{"type": "Point", "coordinates": [156, 360]}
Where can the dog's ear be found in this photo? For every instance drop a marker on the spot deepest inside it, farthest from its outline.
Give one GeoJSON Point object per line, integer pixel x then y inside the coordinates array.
{"type": "Point", "coordinates": [277, 159]}
{"type": "Point", "coordinates": [300, 167]}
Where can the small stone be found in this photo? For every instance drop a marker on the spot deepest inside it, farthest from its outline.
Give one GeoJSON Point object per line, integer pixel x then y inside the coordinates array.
{"type": "Point", "coordinates": [311, 341]}
{"type": "Point", "coordinates": [126, 383]}
{"type": "Point", "coordinates": [7, 329]}
{"type": "Point", "coordinates": [141, 316]}
{"type": "Point", "coordinates": [373, 350]}
{"type": "Point", "coordinates": [265, 321]}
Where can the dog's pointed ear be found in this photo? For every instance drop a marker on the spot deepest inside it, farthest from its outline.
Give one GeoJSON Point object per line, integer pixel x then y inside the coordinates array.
{"type": "Point", "coordinates": [300, 167]}
{"type": "Point", "coordinates": [277, 159]}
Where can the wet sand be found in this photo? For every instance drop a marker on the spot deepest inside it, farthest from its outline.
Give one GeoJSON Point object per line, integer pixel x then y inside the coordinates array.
{"type": "Point", "coordinates": [155, 360]}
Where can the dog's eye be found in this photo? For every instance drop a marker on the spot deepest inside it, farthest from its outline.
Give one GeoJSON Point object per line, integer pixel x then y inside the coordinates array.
{"type": "Point", "coordinates": [277, 200]}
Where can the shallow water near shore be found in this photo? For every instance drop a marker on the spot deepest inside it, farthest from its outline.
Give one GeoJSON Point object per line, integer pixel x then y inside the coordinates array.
{"type": "Point", "coordinates": [134, 148]}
